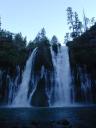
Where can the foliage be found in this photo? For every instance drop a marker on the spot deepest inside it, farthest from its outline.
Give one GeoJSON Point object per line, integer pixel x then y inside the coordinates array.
{"type": "Point", "coordinates": [19, 41]}
{"type": "Point", "coordinates": [74, 23]}
{"type": "Point", "coordinates": [40, 36]}
{"type": "Point", "coordinates": [10, 56]}
{"type": "Point", "coordinates": [54, 40]}
{"type": "Point", "coordinates": [77, 27]}
{"type": "Point", "coordinates": [83, 50]}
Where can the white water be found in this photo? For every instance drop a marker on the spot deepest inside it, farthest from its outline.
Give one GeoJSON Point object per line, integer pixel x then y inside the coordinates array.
{"type": "Point", "coordinates": [86, 87]}
{"type": "Point", "coordinates": [21, 99]}
{"type": "Point", "coordinates": [62, 89]}
{"type": "Point", "coordinates": [58, 88]}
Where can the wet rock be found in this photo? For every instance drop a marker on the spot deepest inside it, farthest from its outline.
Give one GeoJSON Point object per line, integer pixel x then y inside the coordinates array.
{"type": "Point", "coordinates": [39, 97]}
{"type": "Point", "coordinates": [64, 123]}
{"type": "Point", "coordinates": [35, 123]}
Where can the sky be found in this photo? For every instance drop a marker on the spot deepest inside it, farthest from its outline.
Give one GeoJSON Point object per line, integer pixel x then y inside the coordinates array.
{"type": "Point", "coordinates": [30, 16]}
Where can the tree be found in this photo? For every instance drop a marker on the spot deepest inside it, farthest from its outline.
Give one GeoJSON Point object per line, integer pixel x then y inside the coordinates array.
{"type": "Point", "coordinates": [43, 33]}
{"type": "Point", "coordinates": [0, 23]}
{"type": "Point", "coordinates": [54, 40]}
{"type": "Point", "coordinates": [20, 41]}
{"type": "Point", "coordinates": [80, 27]}
{"type": "Point", "coordinates": [55, 44]}
{"type": "Point", "coordinates": [93, 21]}
{"type": "Point", "coordinates": [86, 22]}
{"type": "Point", "coordinates": [74, 23]}
{"type": "Point", "coordinates": [40, 36]}
{"type": "Point", "coordinates": [70, 18]}
{"type": "Point", "coordinates": [66, 38]}
{"type": "Point", "coordinates": [77, 26]}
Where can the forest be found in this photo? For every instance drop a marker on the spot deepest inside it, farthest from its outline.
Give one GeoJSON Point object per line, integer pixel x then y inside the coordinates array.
{"type": "Point", "coordinates": [81, 42]}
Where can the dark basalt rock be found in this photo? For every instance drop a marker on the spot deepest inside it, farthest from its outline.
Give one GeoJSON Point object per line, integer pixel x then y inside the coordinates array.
{"type": "Point", "coordinates": [43, 57]}
{"type": "Point", "coordinates": [64, 123]}
{"type": "Point", "coordinates": [39, 97]}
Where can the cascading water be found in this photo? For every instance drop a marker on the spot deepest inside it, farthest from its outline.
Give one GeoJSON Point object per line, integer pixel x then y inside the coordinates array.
{"type": "Point", "coordinates": [61, 89]}
{"type": "Point", "coordinates": [86, 86]}
{"type": "Point", "coordinates": [21, 98]}
{"type": "Point", "coordinates": [54, 86]}
{"type": "Point", "coordinates": [59, 92]}
{"type": "Point", "coordinates": [13, 85]}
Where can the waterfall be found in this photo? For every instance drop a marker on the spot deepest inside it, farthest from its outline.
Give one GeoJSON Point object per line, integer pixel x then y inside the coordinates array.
{"type": "Point", "coordinates": [13, 85]}
{"type": "Point", "coordinates": [61, 89]}
{"type": "Point", "coordinates": [53, 87]}
{"type": "Point", "coordinates": [21, 97]}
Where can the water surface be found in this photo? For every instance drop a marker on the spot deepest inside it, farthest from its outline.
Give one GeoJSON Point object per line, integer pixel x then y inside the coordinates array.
{"type": "Point", "coordinates": [79, 117]}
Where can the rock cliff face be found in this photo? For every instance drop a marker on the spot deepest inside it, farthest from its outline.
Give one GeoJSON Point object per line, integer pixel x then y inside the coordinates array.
{"type": "Point", "coordinates": [82, 52]}
{"type": "Point", "coordinates": [40, 97]}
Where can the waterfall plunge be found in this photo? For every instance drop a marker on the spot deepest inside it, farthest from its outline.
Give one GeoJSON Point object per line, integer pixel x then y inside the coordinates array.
{"type": "Point", "coordinates": [61, 89]}
{"type": "Point", "coordinates": [21, 99]}
{"type": "Point", "coordinates": [60, 92]}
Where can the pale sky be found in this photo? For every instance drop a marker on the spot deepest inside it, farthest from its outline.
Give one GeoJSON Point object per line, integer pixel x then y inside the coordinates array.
{"type": "Point", "coordinates": [29, 16]}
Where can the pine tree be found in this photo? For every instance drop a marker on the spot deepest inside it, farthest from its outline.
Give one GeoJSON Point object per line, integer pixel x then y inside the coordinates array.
{"type": "Point", "coordinates": [86, 22]}
{"type": "Point", "coordinates": [70, 18]}
{"type": "Point", "coordinates": [54, 40]}
{"type": "Point", "coordinates": [74, 24]}
{"type": "Point", "coordinates": [77, 25]}
{"type": "Point", "coordinates": [93, 21]}
{"type": "Point", "coordinates": [40, 36]}
{"type": "Point", "coordinates": [66, 38]}
{"type": "Point", "coordinates": [0, 23]}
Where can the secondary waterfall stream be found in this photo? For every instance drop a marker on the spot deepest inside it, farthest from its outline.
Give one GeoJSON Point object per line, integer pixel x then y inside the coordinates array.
{"type": "Point", "coordinates": [21, 97]}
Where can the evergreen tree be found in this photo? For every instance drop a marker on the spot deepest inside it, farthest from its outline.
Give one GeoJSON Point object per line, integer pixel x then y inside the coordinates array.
{"type": "Point", "coordinates": [43, 33]}
{"type": "Point", "coordinates": [86, 22]}
{"type": "Point", "coordinates": [77, 26]}
{"type": "Point", "coordinates": [54, 40]}
{"type": "Point", "coordinates": [93, 21]}
{"type": "Point", "coordinates": [0, 23]}
{"type": "Point", "coordinates": [66, 38]}
{"type": "Point", "coordinates": [70, 18]}
{"type": "Point", "coordinates": [40, 36]}
{"type": "Point", "coordinates": [19, 41]}
{"type": "Point", "coordinates": [74, 23]}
